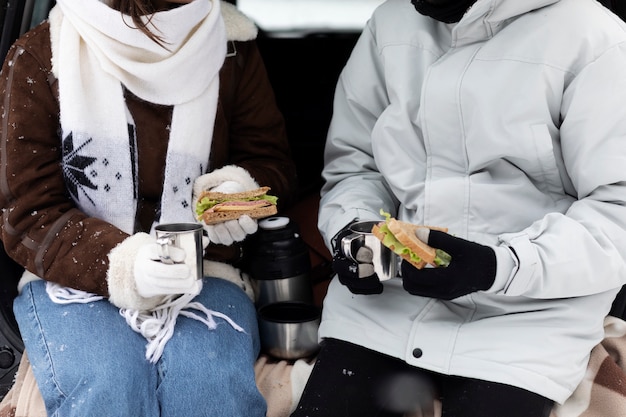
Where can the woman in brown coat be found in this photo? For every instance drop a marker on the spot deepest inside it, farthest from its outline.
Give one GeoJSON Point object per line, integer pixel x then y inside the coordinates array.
{"type": "Point", "coordinates": [115, 114]}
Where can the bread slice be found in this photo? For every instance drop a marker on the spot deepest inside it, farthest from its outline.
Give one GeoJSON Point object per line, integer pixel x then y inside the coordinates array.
{"type": "Point", "coordinates": [378, 232]}
{"type": "Point", "coordinates": [222, 216]}
{"type": "Point", "coordinates": [405, 234]}
{"type": "Point", "coordinates": [257, 192]}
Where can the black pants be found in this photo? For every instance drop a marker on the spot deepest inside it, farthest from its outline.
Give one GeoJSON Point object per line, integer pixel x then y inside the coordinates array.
{"type": "Point", "coordinates": [349, 380]}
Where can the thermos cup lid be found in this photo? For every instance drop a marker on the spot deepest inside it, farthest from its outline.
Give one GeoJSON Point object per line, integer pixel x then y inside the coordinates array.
{"type": "Point", "coordinates": [273, 223]}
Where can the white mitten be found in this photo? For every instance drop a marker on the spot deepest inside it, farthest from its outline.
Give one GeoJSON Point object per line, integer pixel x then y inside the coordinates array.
{"type": "Point", "coordinates": [153, 277]}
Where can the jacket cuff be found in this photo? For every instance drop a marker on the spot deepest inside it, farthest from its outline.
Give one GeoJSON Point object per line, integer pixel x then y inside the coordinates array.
{"type": "Point", "coordinates": [230, 273]}
{"type": "Point", "coordinates": [507, 265]}
{"type": "Point", "coordinates": [121, 277]}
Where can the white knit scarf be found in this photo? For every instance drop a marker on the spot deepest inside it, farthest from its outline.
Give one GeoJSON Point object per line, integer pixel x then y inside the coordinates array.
{"type": "Point", "coordinates": [95, 55]}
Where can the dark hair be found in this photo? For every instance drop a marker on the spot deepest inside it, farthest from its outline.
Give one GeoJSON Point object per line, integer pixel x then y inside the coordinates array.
{"type": "Point", "coordinates": [136, 9]}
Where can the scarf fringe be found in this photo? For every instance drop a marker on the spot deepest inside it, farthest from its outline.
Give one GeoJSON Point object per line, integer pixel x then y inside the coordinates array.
{"type": "Point", "coordinates": [157, 325]}
{"type": "Point", "coordinates": [66, 295]}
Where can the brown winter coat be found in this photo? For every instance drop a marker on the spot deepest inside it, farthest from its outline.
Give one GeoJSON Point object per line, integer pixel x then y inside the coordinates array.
{"type": "Point", "coordinates": [41, 227]}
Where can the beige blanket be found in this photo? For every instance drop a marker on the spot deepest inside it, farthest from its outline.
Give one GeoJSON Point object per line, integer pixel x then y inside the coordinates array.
{"type": "Point", "coordinates": [602, 393]}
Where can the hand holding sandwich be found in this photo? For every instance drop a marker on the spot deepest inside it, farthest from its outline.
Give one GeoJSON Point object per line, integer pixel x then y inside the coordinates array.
{"type": "Point", "coordinates": [230, 231]}
{"type": "Point", "coordinates": [227, 202]}
{"type": "Point", "coordinates": [472, 268]}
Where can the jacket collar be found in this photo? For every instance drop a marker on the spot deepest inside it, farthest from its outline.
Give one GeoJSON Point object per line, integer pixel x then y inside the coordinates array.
{"type": "Point", "coordinates": [487, 17]}
{"type": "Point", "coordinates": [238, 26]}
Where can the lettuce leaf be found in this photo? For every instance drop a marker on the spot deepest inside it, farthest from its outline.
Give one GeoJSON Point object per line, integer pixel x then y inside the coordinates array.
{"type": "Point", "coordinates": [442, 258]}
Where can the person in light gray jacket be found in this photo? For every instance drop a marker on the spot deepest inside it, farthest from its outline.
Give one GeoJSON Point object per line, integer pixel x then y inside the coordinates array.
{"type": "Point", "coordinates": [504, 121]}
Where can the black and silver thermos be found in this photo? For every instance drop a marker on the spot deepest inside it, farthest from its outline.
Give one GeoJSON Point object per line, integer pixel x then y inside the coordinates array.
{"type": "Point", "coordinates": [279, 263]}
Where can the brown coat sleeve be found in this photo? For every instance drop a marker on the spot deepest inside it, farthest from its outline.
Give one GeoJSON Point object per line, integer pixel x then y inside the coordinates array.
{"type": "Point", "coordinates": [41, 227]}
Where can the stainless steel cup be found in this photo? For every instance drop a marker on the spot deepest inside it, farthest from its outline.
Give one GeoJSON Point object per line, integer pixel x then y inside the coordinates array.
{"type": "Point", "coordinates": [384, 260]}
{"type": "Point", "coordinates": [186, 236]}
{"type": "Point", "coordinates": [288, 330]}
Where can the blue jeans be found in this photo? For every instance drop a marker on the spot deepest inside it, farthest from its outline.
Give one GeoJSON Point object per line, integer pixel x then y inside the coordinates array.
{"type": "Point", "coordinates": [88, 362]}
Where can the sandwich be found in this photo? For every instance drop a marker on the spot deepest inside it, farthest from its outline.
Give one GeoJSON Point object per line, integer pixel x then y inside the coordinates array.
{"type": "Point", "coordinates": [213, 207]}
{"type": "Point", "coordinates": [400, 237]}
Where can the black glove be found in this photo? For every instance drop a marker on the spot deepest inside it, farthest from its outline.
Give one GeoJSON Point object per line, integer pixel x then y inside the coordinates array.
{"type": "Point", "coordinates": [348, 271]}
{"type": "Point", "coordinates": [472, 268]}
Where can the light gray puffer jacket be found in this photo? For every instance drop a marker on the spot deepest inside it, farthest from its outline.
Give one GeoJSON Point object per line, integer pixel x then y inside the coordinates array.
{"type": "Point", "coordinates": [509, 128]}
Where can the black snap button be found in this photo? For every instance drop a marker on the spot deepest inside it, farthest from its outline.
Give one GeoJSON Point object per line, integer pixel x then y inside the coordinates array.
{"type": "Point", "coordinates": [417, 353]}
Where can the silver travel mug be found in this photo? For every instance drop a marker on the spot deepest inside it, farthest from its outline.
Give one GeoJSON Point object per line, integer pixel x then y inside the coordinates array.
{"type": "Point", "coordinates": [384, 260]}
{"type": "Point", "coordinates": [186, 236]}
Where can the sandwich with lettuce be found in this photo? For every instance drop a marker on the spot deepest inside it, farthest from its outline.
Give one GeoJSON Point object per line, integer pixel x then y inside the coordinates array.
{"type": "Point", "coordinates": [214, 207]}
{"type": "Point", "coordinates": [401, 238]}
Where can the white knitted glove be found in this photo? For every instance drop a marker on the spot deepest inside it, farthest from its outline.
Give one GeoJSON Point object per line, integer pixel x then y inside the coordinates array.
{"type": "Point", "coordinates": [231, 231]}
{"type": "Point", "coordinates": [137, 282]}
{"type": "Point", "coordinates": [229, 187]}
{"type": "Point", "coordinates": [229, 179]}
{"type": "Point", "coordinates": [153, 277]}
